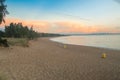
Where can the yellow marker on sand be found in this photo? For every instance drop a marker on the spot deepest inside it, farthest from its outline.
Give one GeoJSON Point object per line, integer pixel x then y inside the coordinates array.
{"type": "Point", "coordinates": [104, 55]}
{"type": "Point", "coordinates": [65, 46]}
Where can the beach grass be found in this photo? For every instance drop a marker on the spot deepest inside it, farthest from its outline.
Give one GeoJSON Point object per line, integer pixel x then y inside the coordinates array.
{"type": "Point", "coordinates": [2, 77]}
{"type": "Point", "coordinates": [18, 42]}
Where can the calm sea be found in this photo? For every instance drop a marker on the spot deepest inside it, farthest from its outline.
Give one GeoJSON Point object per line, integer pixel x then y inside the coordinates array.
{"type": "Point", "coordinates": [103, 41]}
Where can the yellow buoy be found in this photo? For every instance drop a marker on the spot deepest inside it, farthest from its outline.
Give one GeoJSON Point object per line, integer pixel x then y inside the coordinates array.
{"type": "Point", "coordinates": [65, 46]}
{"type": "Point", "coordinates": [104, 55]}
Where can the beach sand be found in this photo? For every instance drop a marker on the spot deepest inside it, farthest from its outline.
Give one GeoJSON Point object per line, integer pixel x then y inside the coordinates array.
{"type": "Point", "coordinates": [47, 60]}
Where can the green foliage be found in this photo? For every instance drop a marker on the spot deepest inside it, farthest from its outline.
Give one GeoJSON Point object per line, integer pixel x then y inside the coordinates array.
{"type": "Point", "coordinates": [2, 34]}
{"type": "Point", "coordinates": [20, 31]}
{"type": "Point", "coordinates": [3, 11]}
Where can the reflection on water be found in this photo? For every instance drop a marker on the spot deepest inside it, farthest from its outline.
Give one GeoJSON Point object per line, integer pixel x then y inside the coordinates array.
{"type": "Point", "coordinates": [104, 41]}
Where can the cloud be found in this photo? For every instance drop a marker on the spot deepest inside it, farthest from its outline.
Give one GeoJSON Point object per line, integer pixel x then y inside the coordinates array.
{"type": "Point", "coordinates": [71, 27]}
{"type": "Point", "coordinates": [118, 27]}
{"type": "Point", "coordinates": [118, 1]}
{"type": "Point", "coordinates": [63, 26]}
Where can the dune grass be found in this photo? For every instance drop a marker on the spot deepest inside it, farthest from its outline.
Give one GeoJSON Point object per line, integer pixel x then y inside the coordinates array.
{"type": "Point", "coordinates": [18, 42]}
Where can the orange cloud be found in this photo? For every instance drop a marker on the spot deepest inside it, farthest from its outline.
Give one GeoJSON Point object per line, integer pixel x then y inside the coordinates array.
{"type": "Point", "coordinates": [75, 27]}
{"type": "Point", "coordinates": [80, 27]}
{"type": "Point", "coordinates": [61, 27]}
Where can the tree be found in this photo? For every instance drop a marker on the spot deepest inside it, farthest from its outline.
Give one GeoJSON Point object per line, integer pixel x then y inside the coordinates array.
{"type": "Point", "coordinates": [2, 34]}
{"type": "Point", "coordinates": [20, 31]}
{"type": "Point", "coordinates": [3, 12]}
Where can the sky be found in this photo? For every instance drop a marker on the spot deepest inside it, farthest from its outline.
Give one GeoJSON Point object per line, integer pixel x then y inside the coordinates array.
{"type": "Point", "coordinates": [66, 16]}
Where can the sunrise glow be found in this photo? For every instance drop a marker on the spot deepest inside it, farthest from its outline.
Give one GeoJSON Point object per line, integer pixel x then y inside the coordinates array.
{"type": "Point", "coordinates": [65, 16]}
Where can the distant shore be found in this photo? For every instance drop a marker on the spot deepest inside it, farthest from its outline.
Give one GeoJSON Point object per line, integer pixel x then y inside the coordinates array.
{"type": "Point", "coordinates": [48, 60]}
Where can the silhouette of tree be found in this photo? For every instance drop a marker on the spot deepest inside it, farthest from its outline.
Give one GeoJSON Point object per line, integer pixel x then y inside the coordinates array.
{"type": "Point", "coordinates": [19, 31]}
{"type": "Point", "coordinates": [3, 12]}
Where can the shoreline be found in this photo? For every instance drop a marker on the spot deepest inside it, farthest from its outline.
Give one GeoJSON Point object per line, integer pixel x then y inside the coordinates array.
{"type": "Point", "coordinates": [48, 60]}
{"type": "Point", "coordinates": [83, 45]}
{"type": "Point", "coordinates": [58, 40]}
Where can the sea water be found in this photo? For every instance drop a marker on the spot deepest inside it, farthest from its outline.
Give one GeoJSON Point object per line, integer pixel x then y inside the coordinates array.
{"type": "Point", "coordinates": [102, 41]}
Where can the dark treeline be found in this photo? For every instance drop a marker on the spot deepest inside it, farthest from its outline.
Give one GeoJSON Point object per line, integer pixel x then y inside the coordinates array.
{"type": "Point", "coordinates": [49, 35]}
{"type": "Point", "coordinates": [19, 31]}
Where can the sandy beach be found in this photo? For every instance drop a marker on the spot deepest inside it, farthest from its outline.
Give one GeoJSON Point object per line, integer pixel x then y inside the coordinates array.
{"type": "Point", "coordinates": [47, 60]}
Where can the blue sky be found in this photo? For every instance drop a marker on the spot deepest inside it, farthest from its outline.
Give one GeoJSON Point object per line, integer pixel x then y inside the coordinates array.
{"type": "Point", "coordinates": [98, 12]}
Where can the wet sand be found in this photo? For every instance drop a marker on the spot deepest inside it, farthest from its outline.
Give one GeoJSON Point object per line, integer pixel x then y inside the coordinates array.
{"type": "Point", "coordinates": [47, 60]}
